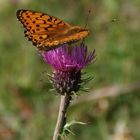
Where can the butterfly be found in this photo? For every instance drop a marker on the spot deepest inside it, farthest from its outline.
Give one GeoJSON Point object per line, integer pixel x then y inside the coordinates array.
{"type": "Point", "coordinates": [48, 32]}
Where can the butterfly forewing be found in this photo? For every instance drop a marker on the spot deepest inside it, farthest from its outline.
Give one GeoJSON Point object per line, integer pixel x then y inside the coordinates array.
{"type": "Point", "coordinates": [47, 32]}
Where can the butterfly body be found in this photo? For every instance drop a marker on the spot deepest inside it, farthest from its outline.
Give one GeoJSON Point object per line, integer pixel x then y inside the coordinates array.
{"type": "Point", "coordinates": [48, 32]}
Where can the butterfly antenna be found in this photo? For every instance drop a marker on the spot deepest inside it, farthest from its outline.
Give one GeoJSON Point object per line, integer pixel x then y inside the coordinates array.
{"type": "Point", "coordinates": [87, 18]}
{"type": "Point", "coordinates": [86, 23]}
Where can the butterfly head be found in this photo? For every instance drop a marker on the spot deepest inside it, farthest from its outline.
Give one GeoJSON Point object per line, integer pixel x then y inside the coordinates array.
{"type": "Point", "coordinates": [78, 29]}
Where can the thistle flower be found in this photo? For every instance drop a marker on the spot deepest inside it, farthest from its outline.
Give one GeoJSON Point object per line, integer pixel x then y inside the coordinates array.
{"type": "Point", "coordinates": [67, 64]}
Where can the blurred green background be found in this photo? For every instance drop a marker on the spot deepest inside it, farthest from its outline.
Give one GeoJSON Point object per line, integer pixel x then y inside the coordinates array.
{"type": "Point", "coordinates": [28, 109]}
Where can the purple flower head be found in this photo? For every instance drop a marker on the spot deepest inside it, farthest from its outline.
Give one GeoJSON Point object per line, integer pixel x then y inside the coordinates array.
{"type": "Point", "coordinates": [67, 63]}
{"type": "Point", "coordinates": [64, 59]}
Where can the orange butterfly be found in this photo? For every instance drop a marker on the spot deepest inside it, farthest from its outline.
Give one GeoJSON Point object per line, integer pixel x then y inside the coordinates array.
{"type": "Point", "coordinates": [48, 32]}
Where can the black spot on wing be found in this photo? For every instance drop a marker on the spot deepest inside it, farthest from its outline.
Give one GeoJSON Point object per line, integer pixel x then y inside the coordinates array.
{"type": "Point", "coordinates": [37, 25]}
{"type": "Point", "coordinates": [50, 19]}
{"type": "Point", "coordinates": [46, 29]}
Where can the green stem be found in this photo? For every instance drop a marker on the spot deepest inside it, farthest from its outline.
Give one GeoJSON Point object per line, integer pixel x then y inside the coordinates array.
{"type": "Point", "coordinates": [61, 120]}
